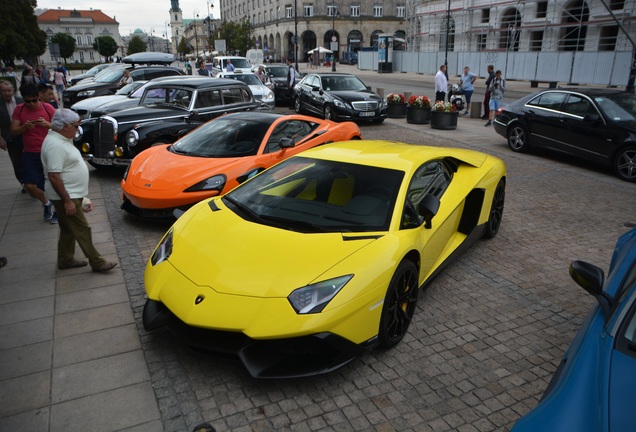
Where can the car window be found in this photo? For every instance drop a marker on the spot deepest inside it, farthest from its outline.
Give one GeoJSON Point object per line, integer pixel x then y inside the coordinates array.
{"type": "Point", "coordinates": [110, 75]}
{"type": "Point", "coordinates": [208, 98]}
{"type": "Point", "coordinates": [179, 97]}
{"type": "Point", "coordinates": [626, 340]}
{"type": "Point", "coordinates": [550, 100]}
{"type": "Point", "coordinates": [233, 95]}
{"type": "Point", "coordinates": [619, 107]}
{"type": "Point", "coordinates": [277, 72]}
{"type": "Point", "coordinates": [433, 178]}
{"type": "Point", "coordinates": [293, 129]}
{"type": "Point", "coordinates": [579, 106]}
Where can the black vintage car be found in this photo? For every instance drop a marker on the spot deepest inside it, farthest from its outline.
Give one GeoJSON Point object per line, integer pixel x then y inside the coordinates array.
{"type": "Point", "coordinates": [168, 109]}
{"type": "Point", "coordinates": [338, 97]}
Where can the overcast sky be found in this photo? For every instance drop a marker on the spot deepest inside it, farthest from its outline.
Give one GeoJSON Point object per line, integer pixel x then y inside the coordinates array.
{"type": "Point", "coordinates": [134, 14]}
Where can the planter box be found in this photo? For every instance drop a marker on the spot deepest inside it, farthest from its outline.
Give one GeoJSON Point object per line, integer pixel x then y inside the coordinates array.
{"type": "Point", "coordinates": [444, 120]}
{"type": "Point", "coordinates": [418, 115]}
{"type": "Point", "coordinates": [397, 110]}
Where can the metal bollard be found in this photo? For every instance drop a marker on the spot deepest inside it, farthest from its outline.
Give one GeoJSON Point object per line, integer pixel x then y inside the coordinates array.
{"type": "Point", "coordinates": [407, 95]}
{"type": "Point", "coordinates": [380, 92]}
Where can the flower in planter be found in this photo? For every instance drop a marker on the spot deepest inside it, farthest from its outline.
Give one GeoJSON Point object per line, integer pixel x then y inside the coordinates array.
{"type": "Point", "coordinates": [395, 98]}
{"type": "Point", "coordinates": [443, 106]}
{"type": "Point", "coordinates": [419, 102]}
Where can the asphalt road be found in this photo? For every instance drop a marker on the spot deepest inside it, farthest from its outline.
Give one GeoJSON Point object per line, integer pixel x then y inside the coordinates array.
{"type": "Point", "coordinates": [487, 334]}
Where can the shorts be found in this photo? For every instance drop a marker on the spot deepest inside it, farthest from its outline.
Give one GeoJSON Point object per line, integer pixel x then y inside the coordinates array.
{"type": "Point", "coordinates": [32, 169]}
{"type": "Point", "coordinates": [495, 104]}
{"type": "Point", "coordinates": [468, 94]}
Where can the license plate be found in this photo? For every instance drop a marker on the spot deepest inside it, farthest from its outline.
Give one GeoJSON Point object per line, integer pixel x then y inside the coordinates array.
{"type": "Point", "coordinates": [102, 161]}
{"type": "Point", "coordinates": [367, 114]}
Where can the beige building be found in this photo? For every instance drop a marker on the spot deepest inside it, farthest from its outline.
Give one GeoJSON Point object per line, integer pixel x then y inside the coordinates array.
{"type": "Point", "coordinates": [84, 26]}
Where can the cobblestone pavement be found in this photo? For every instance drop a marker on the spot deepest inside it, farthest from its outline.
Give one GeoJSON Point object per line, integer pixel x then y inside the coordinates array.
{"type": "Point", "coordinates": [488, 333]}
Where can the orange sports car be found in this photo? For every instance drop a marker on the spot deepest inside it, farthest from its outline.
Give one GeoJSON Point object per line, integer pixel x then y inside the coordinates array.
{"type": "Point", "coordinates": [219, 155]}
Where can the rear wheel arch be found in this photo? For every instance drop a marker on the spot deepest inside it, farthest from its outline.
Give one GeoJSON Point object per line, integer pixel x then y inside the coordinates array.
{"type": "Point", "coordinates": [624, 162]}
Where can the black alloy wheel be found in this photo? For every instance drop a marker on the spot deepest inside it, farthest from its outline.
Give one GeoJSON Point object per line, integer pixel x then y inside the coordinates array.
{"type": "Point", "coordinates": [496, 210]}
{"type": "Point", "coordinates": [399, 305]}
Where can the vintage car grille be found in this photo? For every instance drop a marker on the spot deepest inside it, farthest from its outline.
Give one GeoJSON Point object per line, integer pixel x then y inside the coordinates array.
{"type": "Point", "coordinates": [365, 105]}
{"type": "Point", "coordinates": [104, 138]}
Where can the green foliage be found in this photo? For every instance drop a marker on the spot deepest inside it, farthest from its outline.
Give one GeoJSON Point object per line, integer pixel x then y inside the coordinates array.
{"type": "Point", "coordinates": [105, 45]}
{"type": "Point", "coordinates": [136, 45]}
{"type": "Point", "coordinates": [183, 47]}
{"type": "Point", "coordinates": [237, 35]}
{"type": "Point", "coordinates": [20, 36]}
{"type": "Point", "coordinates": [66, 43]}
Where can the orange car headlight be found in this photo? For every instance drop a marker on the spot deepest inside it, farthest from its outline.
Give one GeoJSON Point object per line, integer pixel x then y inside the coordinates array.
{"type": "Point", "coordinates": [216, 182]}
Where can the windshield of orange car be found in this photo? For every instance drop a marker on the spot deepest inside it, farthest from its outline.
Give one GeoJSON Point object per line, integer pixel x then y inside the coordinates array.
{"type": "Point", "coordinates": [223, 138]}
{"type": "Point", "coordinates": [314, 195]}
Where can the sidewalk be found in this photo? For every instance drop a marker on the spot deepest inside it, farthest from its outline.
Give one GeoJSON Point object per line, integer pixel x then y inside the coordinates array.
{"type": "Point", "coordinates": [70, 355]}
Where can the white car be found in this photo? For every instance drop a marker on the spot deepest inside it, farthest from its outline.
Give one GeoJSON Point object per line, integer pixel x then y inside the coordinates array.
{"type": "Point", "coordinates": [259, 90]}
{"type": "Point", "coordinates": [220, 63]}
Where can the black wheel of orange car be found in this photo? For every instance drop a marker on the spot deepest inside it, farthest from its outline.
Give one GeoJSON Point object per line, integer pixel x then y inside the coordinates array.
{"type": "Point", "coordinates": [297, 106]}
{"type": "Point", "coordinates": [399, 305]}
{"type": "Point", "coordinates": [328, 113]}
{"type": "Point", "coordinates": [625, 164]}
{"type": "Point", "coordinates": [518, 139]}
{"type": "Point", "coordinates": [496, 210]}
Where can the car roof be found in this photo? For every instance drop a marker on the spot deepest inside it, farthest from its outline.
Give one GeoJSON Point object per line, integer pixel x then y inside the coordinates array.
{"type": "Point", "coordinates": [196, 82]}
{"type": "Point", "coordinates": [331, 74]}
{"type": "Point", "coordinates": [262, 117]}
{"type": "Point", "coordinates": [585, 91]}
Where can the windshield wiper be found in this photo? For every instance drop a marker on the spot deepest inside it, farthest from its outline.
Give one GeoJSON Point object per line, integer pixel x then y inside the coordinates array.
{"type": "Point", "coordinates": [255, 216]}
{"type": "Point", "coordinates": [295, 222]}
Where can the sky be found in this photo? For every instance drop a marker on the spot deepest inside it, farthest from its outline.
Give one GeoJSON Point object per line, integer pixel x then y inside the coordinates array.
{"type": "Point", "coordinates": [134, 14]}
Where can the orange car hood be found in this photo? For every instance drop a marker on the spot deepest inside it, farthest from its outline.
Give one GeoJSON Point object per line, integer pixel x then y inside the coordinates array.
{"type": "Point", "coordinates": [160, 169]}
{"type": "Point", "coordinates": [222, 251]}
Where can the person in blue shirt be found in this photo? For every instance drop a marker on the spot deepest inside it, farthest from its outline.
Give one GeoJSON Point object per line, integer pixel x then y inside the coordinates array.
{"type": "Point", "coordinates": [467, 81]}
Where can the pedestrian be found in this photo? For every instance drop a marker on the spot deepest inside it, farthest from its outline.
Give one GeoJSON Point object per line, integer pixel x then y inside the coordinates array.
{"type": "Point", "coordinates": [60, 82]}
{"type": "Point", "coordinates": [441, 84]}
{"type": "Point", "coordinates": [261, 74]}
{"type": "Point", "coordinates": [67, 174]}
{"type": "Point", "coordinates": [12, 143]}
{"type": "Point", "coordinates": [28, 77]}
{"type": "Point", "coordinates": [45, 75]}
{"type": "Point", "coordinates": [203, 70]}
{"type": "Point", "coordinates": [291, 74]}
{"type": "Point", "coordinates": [497, 89]}
{"type": "Point", "coordinates": [188, 67]}
{"type": "Point", "coordinates": [125, 79]}
{"type": "Point", "coordinates": [229, 66]}
{"type": "Point", "coordinates": [64, 71]}
{"type": "Point", "coordinates": [10, 72]}
{"type": "Point", "coordinates": [47, 94]}
{"type": "Point", "coordinates": [467, 81]}
{"type": "Point", "coordinates": [31, 120]}
{"type": "Point", "coordinates": [491, 76]}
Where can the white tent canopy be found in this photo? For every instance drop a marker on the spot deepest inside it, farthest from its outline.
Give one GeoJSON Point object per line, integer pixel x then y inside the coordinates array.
{"type": "Point", "coordinates": [321, 50]}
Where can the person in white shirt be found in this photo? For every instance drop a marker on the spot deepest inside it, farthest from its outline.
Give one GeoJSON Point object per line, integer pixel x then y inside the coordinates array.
{"type": "Point", "coordinates": [441, 84]}
{"type": "Point", "coordinates": [291, 75]}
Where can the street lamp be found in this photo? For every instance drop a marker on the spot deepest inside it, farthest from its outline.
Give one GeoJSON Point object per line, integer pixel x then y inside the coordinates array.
{"type": "Point", "coordinates": [166, 25]}
{"type": "Point", "coordinates": [334, 10]}
{"type": "Point", "coordinates": [296, 33]}
{"type": "Point", "coordinates": [195, 15]}
{"type": "Point", "coordinates": [209, 19]}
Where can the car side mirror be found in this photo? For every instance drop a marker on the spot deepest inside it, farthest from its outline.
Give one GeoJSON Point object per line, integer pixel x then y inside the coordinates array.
{"type": "Point", "coordinates": [591, 279]}
{"type": "Point", "coordinates": [315, 88]}
{"type": "Point", "coordinates": [286, 143]}
{"type": "Point", "coordinates": [592, 118]}
{"type": "Point", "coordinates": [248, 175]}
{"type": "Point", "coordinates": [428, 208]}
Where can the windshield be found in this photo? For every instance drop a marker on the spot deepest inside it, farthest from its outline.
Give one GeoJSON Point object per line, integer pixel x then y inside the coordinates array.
{"type": "Point", "coordinates": [96, 69]}
{"type": "Point", "coordinates": [278, 72]}
{"type": "Point", "coordinates": [175, 96]}
{"type": "Point", "coordinates": [313, 195]}
{"type": "Point", "coordinates": [130, 88]}
{"type": "Point", "coordinates": [249, 79]}
{"type": "Point", "coordinates": [110, 75]}
{"type": "Point", "coordinates": [240, 63]}
{"type": "Point", "coordinates": [348, 83]}
{"type": "Point", "coordinates": [223, 138]}
{"type": "Point", "coordinates": [620, 107]}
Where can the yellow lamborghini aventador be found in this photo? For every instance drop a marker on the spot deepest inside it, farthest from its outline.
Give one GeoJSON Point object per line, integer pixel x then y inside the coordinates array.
{"type": "Point", "coordinates": [306, 265]}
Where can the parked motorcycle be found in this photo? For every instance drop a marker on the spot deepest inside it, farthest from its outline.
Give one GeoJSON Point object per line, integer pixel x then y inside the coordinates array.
{"type": "Point", "coordinates": [456, 97]}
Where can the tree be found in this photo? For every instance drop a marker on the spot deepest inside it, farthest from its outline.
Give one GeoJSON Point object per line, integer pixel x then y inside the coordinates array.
{"type": "Point", "coordinates": [20, 36]}
{"type": "Point", "coordinates": [66, 43]}
{"type": "Point", "coordinates": [136, 45]}
{"type": "Point", "coordinates": [238, 36]}
{"type": "Point", "coordinates": [183, 47]}
{"type": "Point", "coordinates": [105, 45]}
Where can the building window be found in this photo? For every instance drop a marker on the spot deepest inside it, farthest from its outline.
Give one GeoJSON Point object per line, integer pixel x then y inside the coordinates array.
{"type": "Point", "coordinates": [617, 4]}
{"type": "Point", "coordinates": [400, 12]}
{"type": "Point", "coordinates": [536, 40]}
{"type": "Point", "coordinates": [90, 55]}
{"type": "Point", "coordinates": [607, 38]}
{"type": "Point", "coordinates": [309, 10]}
{"type": "Point", "coordinates": [288, 12]}
{"type": "Point", "coordinates": [481, 42]}
{"type": "Point", "coordinates": [542, 9]}
{"type": "Point", "coordinates": [89, 40]}
{"type": "Point", "coordinates": [354, 11]}
{"type": "Point", "coordinates": [332, 10]}
{"type": "Point", "coordinates": [79, 40]}
{"type": "Point", "coordinates": [377, 11]}
{"type": "Point", "coordinates": [81, 53]}
{"type": "Point", "coordinates": [485, 16]}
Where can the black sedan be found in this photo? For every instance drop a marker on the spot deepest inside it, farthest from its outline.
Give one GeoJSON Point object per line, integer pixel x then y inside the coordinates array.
{"type": "Point", "coordinates": [338, 97]}
{"type": "Point", "coordinates": [594, 124]}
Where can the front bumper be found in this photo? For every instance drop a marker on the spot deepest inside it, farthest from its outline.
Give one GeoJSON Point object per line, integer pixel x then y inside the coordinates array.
{"type": "Point", "coordinates": [345, 114]}
{"type": "Point", "coordinates": [157, 214]}
{"type": "Point", "coordinates": [293, 357]}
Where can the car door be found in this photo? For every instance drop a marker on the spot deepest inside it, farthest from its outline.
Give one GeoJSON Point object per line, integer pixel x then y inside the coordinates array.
{"type": "Point", "coordinates": [542, 116]}
{"type": "Point", "coordinates": [583, 131]}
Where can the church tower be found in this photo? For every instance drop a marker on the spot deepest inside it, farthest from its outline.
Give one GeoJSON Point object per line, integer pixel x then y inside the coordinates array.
{"type": "Point", "coordinates": [176, 25]}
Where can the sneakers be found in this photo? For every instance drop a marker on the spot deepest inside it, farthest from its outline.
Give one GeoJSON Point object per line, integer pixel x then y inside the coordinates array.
{"type": "Point", "coordinates": [466, 113]}
{"type": "Point", "coordinates": [48, 211]}
{"type": "Point", "coordinates": [74, 264]}
{"type": "Point", "coordinates": [104, 267]}
{"type": "Point", "coordinates": [488, 124]}
{"type": "Point", "coordinates": [53, 219]}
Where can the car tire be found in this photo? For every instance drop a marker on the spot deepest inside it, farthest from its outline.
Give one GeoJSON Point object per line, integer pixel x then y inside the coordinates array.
{"type": "Point", "coordinates": [399, 305]}
{"type": "Point", "coordinates": [518, 138]}
{"type": "Point", "coordinates": [496, 210]}
{"type": "Point", "coordinates": [378, 121]}
{"type": "Point", "coordinates": [298, 106]}
{"type": "Point", "coordinates": [625, 164]}
{"type": "Point", "coordinates": [328, 113]}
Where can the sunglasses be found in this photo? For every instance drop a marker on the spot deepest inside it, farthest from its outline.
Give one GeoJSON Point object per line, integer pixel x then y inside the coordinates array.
{"type": "Point", "coordinates": [30, 100]}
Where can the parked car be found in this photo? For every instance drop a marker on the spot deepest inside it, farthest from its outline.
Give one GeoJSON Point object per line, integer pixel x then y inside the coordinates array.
{"type": "Point", "coordinates": [168, 109]}
{"type": "Point", "coordinates": [214, 158]}
{"type": "Point", "coordinates": [593, 387]}
{"type": "Point", "coordinates": [259, 90]}
{"type": "Point", "coordinates": [594, 124]}
{"type": "Point", "coordinates": [338, 97]}
{"type": "Point", "coordinates": [107, 82]}
{"type": "Point", "coordinates": [314, 261]}
{"type": "Point", "coordinates": [220, 63]}
{"type": "Point", "coordinates": [130, 93]}
{"type": "Point", "coordinates": [277, 74]}
{"type": "Point", "coordinates": [349, 57]}
{"type": "Point", "coordinates": [89, 74]}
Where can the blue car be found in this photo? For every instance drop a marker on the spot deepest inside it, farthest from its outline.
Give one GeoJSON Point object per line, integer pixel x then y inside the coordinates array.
{"type": "Point", "coordinates": [594, 387]}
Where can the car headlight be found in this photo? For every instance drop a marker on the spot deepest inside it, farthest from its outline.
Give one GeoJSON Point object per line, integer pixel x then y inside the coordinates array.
{"type": "Point", "coordinates": [313, 298]}
{"type": "Point", "coordinates": [164, 249]}
{"type": "Point", "coordinates": [132, 138]}
{"type": "Point", "coordinates": [78, 134]}
{"type": "Point", "coordinates": [216, 182]}
{"type": "Point", "coordinates": [269, 95]}
{"type": "Point", "coordinates": [341, 104]}
{"type": "Point", "coordinates": [86, 93]}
